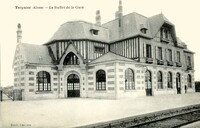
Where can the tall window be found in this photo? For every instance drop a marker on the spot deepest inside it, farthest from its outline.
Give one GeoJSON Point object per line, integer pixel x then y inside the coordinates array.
{"type": "Point", "coordinates": [189, 61]}
{"type": "Point", "coordinates": [71, 59]}
{"type": "Point", "coordinates": [148, 79]}
{"type": "Point", "coordinates": [165, 33]}
{"type": "Point", "coordinates": [148, 51]}
{"type": "Point", "coordinates": [189, 81]}
{"type": "Point", "coordinates": [160, 53]}
{"type": "Point", "coordinates": [100, 80]}
{"type": "Point", "coordinates": [43, 81]}
{"type": "Point", "coordinates": [169, 54]}
{"type": "Point", "coordinates": [169, 80]}
{"type": "Point", "coordinates": [178, 56]}
{"type": "Point", "coordinates": [129, 79]}
{"type": "Point", "coordinates": [159, 80]}
{"type": "Point", "coordinates": [178, 80]}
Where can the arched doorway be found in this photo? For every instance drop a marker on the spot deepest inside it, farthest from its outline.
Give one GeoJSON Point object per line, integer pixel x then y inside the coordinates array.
{"type": "Point", "coordinates": [148, 83]}
{"type": "Point", "coordinates": [178, 83]}
{"type": "Point", "coordinates": [73, 86]}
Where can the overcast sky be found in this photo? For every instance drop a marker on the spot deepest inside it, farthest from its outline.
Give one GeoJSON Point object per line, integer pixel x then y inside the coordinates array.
{"type": "Point", "coordinates": [38, 25]}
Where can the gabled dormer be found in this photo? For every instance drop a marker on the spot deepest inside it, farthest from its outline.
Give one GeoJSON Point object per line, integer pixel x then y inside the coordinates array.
{"type": "Point", "coordinates": [161, 28]}
{"type": "Point", "coordinates": [166, 34]}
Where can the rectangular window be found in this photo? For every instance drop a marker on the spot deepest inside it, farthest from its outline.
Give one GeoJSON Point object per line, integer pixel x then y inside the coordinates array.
{"type": "Point", "coordinates": [31, 90]}
{"type": "Point", "coordinates": [169, 54]}
{"type": "Point", "coordinates": [31, 78]}
{"type": "Point", "coordinates": [94, 31]}
{"type": "Point", "coordinates": [15, 79]}
{"type": "Point", "coordinates": [148, 51]}
{"type": "Point", "coordinates": [99, 49]}
{"type": "Point", "coordinates": [189, 61]}
{"type": "Point", "coordinates": [31, 84]}
{"type": "Point", "coordinates": [160, 53]}
{"type": "Point", "coordinates": [55, 79]}
{"type": "Point", "coordinates": [178, 56]}
{"type": "Point", "coordinates": [164, 33]}
{"type": "Point", "coordinates": [31, 73]}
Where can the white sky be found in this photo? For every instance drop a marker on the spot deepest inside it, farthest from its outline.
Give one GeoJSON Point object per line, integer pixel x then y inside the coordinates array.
{"type": "Point", "coordinates": [40, 24]}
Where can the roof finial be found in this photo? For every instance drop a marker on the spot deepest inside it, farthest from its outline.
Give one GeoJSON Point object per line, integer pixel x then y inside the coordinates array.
{"type": "Point", "coordinates": [19, 33]}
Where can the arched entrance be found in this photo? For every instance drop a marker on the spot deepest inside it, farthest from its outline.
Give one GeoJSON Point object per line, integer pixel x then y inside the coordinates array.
{"type": "Point", "coordinates": [148, 83]}
{"type": "Point", "coordinates": [178, 83]}
{"type": "Point", "coordinates": [73, 86]}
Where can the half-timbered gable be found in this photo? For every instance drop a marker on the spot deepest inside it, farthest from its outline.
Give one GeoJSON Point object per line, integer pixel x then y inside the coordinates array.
{"type": "Point", "coordinates": [86, 37]}
{"type": "Point", "coordinates": [129, 56]}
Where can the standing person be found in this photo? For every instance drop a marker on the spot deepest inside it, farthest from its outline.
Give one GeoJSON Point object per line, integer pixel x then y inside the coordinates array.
{"type": "Point", "coordinates": [185, 88]}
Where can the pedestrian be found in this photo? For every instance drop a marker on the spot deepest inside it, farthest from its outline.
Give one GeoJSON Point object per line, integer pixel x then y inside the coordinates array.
{"type": "Point", "coordinates": [185, 88]}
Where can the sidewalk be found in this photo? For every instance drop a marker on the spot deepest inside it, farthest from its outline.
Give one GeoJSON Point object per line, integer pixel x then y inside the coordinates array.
{"type": "Point", "coordinates": [80, 111]}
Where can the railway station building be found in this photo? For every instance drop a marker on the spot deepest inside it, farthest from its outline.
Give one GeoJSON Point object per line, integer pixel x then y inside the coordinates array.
{"type": "Point", "coordinates": [130, 56]}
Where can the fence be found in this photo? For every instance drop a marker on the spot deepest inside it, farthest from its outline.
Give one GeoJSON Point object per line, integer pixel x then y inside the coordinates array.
{"type": "Point", "coordinates": [17, 94]}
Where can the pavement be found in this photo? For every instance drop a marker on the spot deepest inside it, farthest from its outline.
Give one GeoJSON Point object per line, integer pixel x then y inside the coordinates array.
{"type": "Point", "coordinates": [192, 125]}
{"type": "Point", "coordinates": [73, 112]}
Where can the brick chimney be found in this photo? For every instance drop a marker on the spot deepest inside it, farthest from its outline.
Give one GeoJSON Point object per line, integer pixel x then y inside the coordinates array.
{"type": "Point", "coordinates": [98, 17]}
{"type": "Point", "coordinates": [19, 33]}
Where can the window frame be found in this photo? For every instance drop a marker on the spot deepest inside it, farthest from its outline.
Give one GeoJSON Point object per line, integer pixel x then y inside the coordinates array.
{"type": "Point", "coordinates": [100, 80]}
{"type": "Point", "coordinates": [160, 80]}
{"type": "Point", "coordinates": [170, 56]}
{"type": "Point", "coordinates": [178, 53]}
{"type": "Point", "coordinates": [160, 57]}
{"type": "Point", "coordinates": [98, 49]}
{"type": "Point", "coordinates": [71, 59]}
{"type": "Point", "coordinates": [43, 81]}
{"type": "Point", "coordinates": [129, 79]}
{"type": "Point", "coordinates": [169, 80]}
{"type": "Point", "coordinates": [148, 51]}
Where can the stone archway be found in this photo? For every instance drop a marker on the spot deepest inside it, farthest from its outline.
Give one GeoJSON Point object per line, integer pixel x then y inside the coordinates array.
{"type": "Point", "coordinates": [73, 86]}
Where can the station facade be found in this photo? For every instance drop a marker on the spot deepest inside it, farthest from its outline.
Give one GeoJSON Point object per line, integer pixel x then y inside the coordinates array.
{"type": "Point", "coordinates": [130, 56]}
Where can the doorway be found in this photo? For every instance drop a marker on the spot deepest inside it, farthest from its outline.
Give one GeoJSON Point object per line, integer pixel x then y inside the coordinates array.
{"type": "Point", "coordinates": [73, 86]}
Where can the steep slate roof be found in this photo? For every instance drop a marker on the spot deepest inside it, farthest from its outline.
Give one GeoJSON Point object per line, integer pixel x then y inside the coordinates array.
{"type": "Point", "coordinates": [109, 32]}
{"type": "Point", "coordinates": [80, 30]}
{"type": "Point", "coordinates": [109, 56]}
{"type": "Point", "coordinates": [180, 43]}
{"type": "Point", "coordinates": [131, 24]}
{"type": "Point", "coordinates": [37, 54]}
{"type": "Point", "coordinates": [155, 22]}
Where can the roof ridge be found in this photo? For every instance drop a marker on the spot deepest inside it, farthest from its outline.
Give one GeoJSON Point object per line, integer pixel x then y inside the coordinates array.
{"type": "Point", "coordinates": [125, 16]}
{"type": "Point", "coordinates": [82, 21]}
{"type": "Point", "coordinates": [33, 44]}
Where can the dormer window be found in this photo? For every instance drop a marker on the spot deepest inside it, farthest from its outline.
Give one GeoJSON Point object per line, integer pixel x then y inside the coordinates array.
{"type": "Point", "coordinates": [164, 33]}
{"type": "Point", "coordinates": [94, 31]}
{"type": "Point", "coordinates": [143, 29]}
